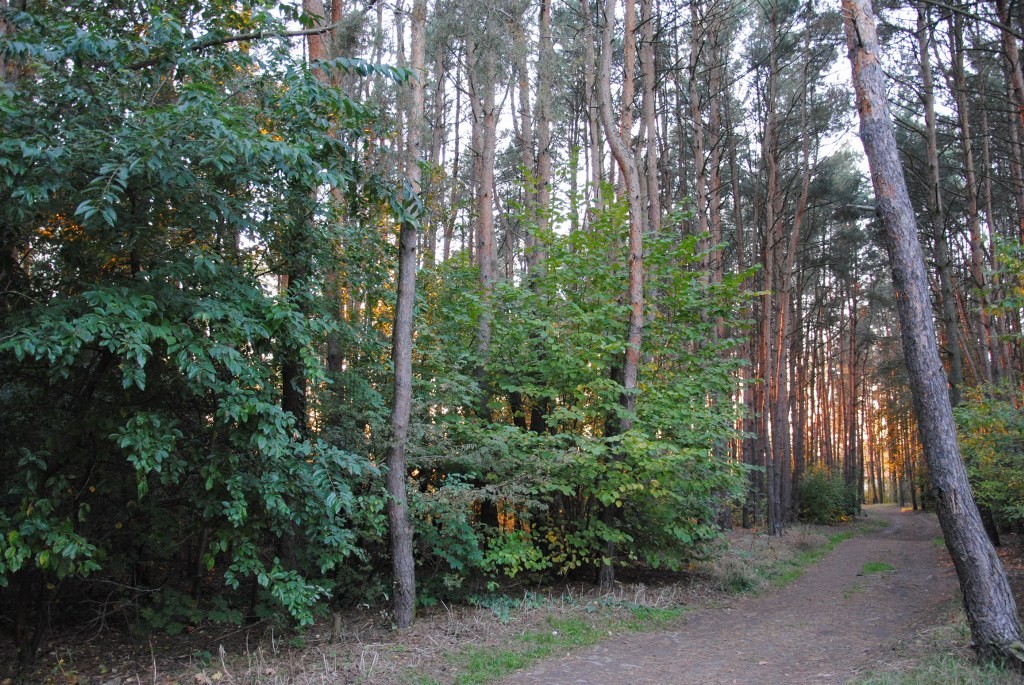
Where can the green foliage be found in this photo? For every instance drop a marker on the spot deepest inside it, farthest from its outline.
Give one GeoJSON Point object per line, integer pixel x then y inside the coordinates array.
{"type": "Point", "coordinates": [946, 668]}
{"type": "Point", "coordinates": [154, 177]}
{"type": "Point", "coordinates": [171, 612]}
{"type": "Point", "coordinates": [549, 458]}
{"type": "Point", "coordinates": [445, 530]}
{"type": "Point", "coordinates": [825, 498]}
{"type": "Point", "coordinates": [159, 180]}
{"type": "Point", "coordinates": [990, 426]}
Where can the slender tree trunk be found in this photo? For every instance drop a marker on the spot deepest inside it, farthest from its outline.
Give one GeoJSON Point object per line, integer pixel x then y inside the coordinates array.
{"type": "Point", "coordinates": [700, 162]}
{"type": "Point", "coordinates": [648, 74]}
{"type": "Point", "coordinates": [991, 610]}
{"type": "Point", "coordinates": [593, 107]}
{"type": "Point", "coordinates": [545, 66]}
{"type": "Point", "coordinates": [453, 200]}
{"type": "Point", "coordinates": [1000, 349]}
{"type": "Point", "coordinates": [293, 371]}
{"type": "Point", "coordinates": [783, 413]}
{"type": "Point", "coordinates": [936, 212]}
{"type": "Point", "coordinates": [716, 140]}
{"type": "Point", "coordinates": [400, 524]}
{"type": "Point", "coordinates": [528, 159]}
{"type": "Point", "coordinates": [635, 296]}
{"type": "Point", "coordinates": [1015, 88]}
{"type": "Point", "coordinates": [482, 99]}
{"type": "Point", "coordinates": [438, 140]}
{"type": "Point", "coordinates": [773, 328]}
{"type": "Point", "coordinates": [628, 94]}
{"type": "Point", "coordinates": [797, 388]}
{"type": "Point", "coordinates": [958, 85]}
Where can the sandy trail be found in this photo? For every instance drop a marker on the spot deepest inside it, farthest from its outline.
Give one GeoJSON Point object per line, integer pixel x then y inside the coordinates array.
{"type": "Point", "coordinates": [825, 627]}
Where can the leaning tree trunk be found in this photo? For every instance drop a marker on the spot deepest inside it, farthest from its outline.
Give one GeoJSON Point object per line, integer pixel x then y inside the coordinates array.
{"type": "Point", "coordinates": [991, 610]}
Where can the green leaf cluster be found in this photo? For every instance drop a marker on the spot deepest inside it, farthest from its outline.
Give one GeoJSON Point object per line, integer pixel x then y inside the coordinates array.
{"type": "Point", "coordinates": [825, 498]}
{"type": "Point", "coordinates": [535, 473]}
{"type": "Point", "coordinates": [990, 427]}
{"type": "Point", "coordinates": [154, 180]}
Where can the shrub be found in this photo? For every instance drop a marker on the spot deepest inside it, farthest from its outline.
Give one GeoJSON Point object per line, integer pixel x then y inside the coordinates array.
{"type": "Point", "coordinates": [825, 498]}
{"type": "Point", "coordinates": [991, 432]}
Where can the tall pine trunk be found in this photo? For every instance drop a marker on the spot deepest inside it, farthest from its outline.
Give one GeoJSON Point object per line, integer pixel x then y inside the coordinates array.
{"type": "Point", "coordinates": [403, 566]}
{"type": "Point", "coordinates": [991, 610]}
{"type": "Point", "coordinates": [626, 161]}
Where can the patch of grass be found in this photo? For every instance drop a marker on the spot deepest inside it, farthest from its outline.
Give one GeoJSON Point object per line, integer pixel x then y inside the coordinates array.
{"type": "Point", "coordinates": [788, 571]}
{"type": "Point", "coordinates": [939, 654]}
{"type": "Point", "coordinates": [939, 542]}
{"type": "Point", "coordinates": [947, 669]}
{"type": "Point", "coordinates": [502, 606]}
{"type": "Point", "coordinates": [645, 619]}
{"type": "Point", "coordinates": [875, 567]}
{"type": "Point", "coordinates": [758, 561]}
{"type": "Point", "coordinates": [479, 665]}
{"type": "Point", "coordinates": [423, 680]}
{"type": "Point", "coordinates": [791, 569]}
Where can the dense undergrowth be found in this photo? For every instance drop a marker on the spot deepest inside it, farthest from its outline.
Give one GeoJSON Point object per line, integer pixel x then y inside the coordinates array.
{"type": "Point", "coordinates": [194, 350]}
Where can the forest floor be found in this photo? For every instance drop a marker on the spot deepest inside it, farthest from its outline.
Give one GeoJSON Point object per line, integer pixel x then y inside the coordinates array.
{"type": "Point", "coordinates": [847, 614]}
{"type": "Point", "coordinates": [761, 612]}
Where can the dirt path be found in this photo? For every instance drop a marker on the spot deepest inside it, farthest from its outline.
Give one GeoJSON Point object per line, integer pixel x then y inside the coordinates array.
{"type": "Point", "coordinates": [824, 628]}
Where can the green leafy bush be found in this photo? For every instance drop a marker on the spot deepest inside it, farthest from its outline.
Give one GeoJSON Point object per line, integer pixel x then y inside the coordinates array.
{"type": "Point", "coordinates": [825, 498]}
{"type": "Point", "coordinates": [540, 473]}
{"type": "Point", "coordinates": [990, 425]}
{"type": "Point", "coordinates": [150, 189]}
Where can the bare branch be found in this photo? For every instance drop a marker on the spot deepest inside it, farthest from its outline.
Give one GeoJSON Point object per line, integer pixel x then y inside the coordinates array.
{"type": "Point", "coordinates": [240, 38]}
{"type": "Point", "coordinates": [977, 17]}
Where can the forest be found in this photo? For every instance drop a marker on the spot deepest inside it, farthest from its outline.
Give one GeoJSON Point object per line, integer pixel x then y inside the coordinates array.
{"type": "Point", "coordinates": [309, 304]}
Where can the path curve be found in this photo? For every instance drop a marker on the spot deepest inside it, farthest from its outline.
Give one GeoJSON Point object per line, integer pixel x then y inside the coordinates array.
{"type": "Point", "coordinates": [825, 627]}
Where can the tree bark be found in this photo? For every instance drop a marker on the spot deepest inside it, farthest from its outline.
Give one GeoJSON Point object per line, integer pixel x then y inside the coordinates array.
{"type": "Point", "coordinates": [596, 175]}
{"type": "Point", "coordinates": [438, 141]}
{"type": "Point", "coordinates": [936, 212]}
{"type": "Point", "coordinates": [623, 155]}
{"type": "Point", "coordinates": [775, 423]}
{"type": "Point", "coordinates": [648, 74]}
{"type": "Point", "coordinates": [991, 610]}
{"type": "Point", "coordinates": [400, 528]}
{"type": "Point", "coordinates": [700, 162]}
{"type": "Point", "coordinates": [545, 67]}
{"type": "Point", "coordinates": [482, 98]}
{"type": "Point", "coordinates": [1015, 88]}
{"type": "Point", "coordinates": [958, 85]}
